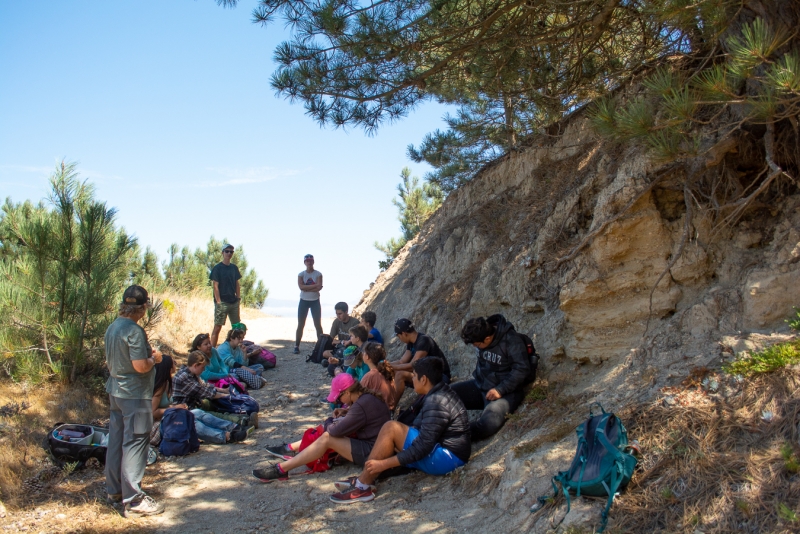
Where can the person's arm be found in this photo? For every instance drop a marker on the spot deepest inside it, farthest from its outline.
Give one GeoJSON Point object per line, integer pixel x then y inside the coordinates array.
{"type": "Point", "coordinates": [350, 423]}
{"type": "Point", "coordinates": [238, 290]}
{"type": "Point", "coordinates": [213, 370]}
{"type": "Point", "coordinates": [158, 413]}
{"type": "Point", "coordinates": [217, 298]}
{"type": "Point", "coordinates": [143, 358]}
{"type": "Point", "coordinates": [313, 288]}
{"type": "Point", "coordinates": [520, 367]}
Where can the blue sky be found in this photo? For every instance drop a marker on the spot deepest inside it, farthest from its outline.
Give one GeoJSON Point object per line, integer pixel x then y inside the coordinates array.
{"type": "Point", "coordinates": [168, 110]}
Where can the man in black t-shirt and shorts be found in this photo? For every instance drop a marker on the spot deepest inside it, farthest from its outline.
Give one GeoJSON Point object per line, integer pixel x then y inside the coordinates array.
{"type": "Point", "coordinates": [418, 345]}
{"type": "Point", "coordinates": [225, 278]}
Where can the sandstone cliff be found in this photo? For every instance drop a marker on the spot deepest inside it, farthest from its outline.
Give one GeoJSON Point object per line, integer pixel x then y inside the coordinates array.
{"type": "Point", "coordinates": [568, 239]}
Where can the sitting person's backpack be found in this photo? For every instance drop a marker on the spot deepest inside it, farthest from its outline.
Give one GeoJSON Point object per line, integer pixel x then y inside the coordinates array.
{"type": "Point", "coordinates": [236, 403]}
{"type": "Point", "coordinates": [602, 464]}
{"type": "Point", "coordinates": [178, 435]}
{"type": "Point", "coordinates": [533, 357]}
{"type": "Point", "coordinates": [327, 460]}
{"type": "Point", "coordinates": [325, 342]}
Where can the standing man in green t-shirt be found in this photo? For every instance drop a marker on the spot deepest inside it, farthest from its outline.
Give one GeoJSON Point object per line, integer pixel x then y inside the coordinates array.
{"type": "Point", "coordinates": [225, 277]}
{"type": "Point", "coordinates": [130, 361]}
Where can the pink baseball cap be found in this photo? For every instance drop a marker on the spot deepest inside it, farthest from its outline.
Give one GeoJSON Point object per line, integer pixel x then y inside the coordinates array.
{"type": "Point", "coordinates": [339, 383]}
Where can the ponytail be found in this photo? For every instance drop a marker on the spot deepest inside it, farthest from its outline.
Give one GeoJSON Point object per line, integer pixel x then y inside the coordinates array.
{"type": "Point", "coordinates": [377, 355]}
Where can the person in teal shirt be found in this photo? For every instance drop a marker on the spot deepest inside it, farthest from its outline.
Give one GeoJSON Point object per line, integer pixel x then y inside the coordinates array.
{"type": "Point", "coordinates": [232, 355]}
{"type": "Point", "coordinates": [217, 368]}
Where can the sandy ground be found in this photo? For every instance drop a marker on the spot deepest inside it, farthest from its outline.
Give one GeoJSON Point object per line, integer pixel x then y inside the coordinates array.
{"type": "Point", "coordinates": [213, 490]}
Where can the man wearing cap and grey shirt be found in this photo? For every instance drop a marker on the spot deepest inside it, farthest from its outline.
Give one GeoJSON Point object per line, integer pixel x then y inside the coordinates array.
{"type": "Point", "coordinates": [225, 277]}
{"type": "Point", "coordinates": [310, 284]}
{"type": "Point", "coordinates": [130, 360]}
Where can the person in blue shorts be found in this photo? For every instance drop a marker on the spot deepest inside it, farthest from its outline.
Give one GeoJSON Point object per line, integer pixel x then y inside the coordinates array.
{"type": "Point", "coordinates": [437, 442]}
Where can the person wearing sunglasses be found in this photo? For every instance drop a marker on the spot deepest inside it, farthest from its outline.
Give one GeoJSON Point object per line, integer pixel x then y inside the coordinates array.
{"type": "Point", "coordinates": [227, 292]}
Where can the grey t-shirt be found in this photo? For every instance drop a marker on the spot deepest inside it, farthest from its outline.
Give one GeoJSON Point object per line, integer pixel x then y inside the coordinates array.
{"type": "Point", "coordinates": [342, 330]}
{"type": "Point", "coordinates": [308, 279]}
{"type": "Point", "coordinates": [126, 341]}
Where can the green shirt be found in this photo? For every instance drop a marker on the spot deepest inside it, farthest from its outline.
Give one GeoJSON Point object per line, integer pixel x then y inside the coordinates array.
{"type": "Point", "coordinates": [126, 341]}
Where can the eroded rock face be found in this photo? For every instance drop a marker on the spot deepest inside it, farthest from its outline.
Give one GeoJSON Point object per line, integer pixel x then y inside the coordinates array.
{"type": "Point", "coordinates": [563, 241]}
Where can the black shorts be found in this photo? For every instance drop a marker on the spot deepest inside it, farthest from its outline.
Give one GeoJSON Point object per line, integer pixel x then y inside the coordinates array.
{"type": "Point", "coordinates": [360, 451]}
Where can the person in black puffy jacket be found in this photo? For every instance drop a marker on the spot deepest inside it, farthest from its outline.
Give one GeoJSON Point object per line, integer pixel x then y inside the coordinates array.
{"type": "Point", "coordinates": [437, 443]}
{"type": "Point", "coordinates": [500, 374]}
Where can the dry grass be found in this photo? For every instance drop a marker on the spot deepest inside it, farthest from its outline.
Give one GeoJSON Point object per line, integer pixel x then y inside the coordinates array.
{"type": "Point", "coordinates": [185, 316]}
{"type": "Point", "coordinates": [716, 464]}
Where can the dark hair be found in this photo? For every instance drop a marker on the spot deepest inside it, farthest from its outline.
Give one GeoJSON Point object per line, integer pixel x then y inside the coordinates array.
{"type": "Point", "coordinates": [164, 374]}
{"type": "Point", "coordinates": [341, 306]}
{"type": "Point", "coordinates": [198, 340]}
{"type": "Point", "coordinates": [235, 334]}
{"type": "Point", "coordinates": [357, 388]}
{"type": "Point", "coordinates": [429, 366]}
{"type": "Point", "coordinates": [377, 355]}
{"type": "Point", "coordinates": [360, 332]}
{"type": "Point", "coordinates": [476, 330]}
{"type": "Point", "coordinates": [195, 357]}
{"type": "Point", "coordinates": [369, 317]}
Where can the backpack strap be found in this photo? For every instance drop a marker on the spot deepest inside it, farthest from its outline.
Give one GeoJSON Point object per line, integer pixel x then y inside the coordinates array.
{"type": "Point", "coordinates": [616, 477]}
{"type": "Point", "coordinates": [541, 501]}
{"type": "Point", "coordinates": [592, 405]}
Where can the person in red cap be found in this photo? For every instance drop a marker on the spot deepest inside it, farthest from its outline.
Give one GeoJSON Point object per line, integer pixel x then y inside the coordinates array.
{"type": "Point", "coordinates": [131, 361]}
{"type": "Point", "coordinates": [366, 414]}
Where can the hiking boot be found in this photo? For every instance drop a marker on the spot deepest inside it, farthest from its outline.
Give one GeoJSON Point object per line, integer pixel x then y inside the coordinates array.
{"type": "Point", "coordinates": [269, 474]}
{"type": "Point", "coordinates": [253, 420]}
{"type": "Point", "coordinates": [146, 506]}
{"type": "Point", "coordinates": [281, 451]}
{"type": "Point", "coordinates": [296, 350]}
{"type": "Point", "coordinates": [353, 494]}
{"type": "Point", "coordinates": [344, 485]}
{"type": "Point", "coordinates": [113, 498]}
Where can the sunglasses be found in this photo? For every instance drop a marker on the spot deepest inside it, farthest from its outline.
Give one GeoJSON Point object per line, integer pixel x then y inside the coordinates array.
{"type": "Point", "coordinates": [227, 251]}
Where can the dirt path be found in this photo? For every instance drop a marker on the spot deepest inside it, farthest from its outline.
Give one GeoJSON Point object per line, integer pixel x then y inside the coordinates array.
{"type": "Point", "coordinates": [213, 491]}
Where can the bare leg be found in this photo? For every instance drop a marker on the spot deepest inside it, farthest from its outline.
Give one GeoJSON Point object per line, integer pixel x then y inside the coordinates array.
{"type": "Point", "coordinates": [390, 440]}
{"type": "Point", "coordinates": [317, 449]}
{"type": "Point", "coordinates": [215, 334]}
{"type": "Point", "coordinates": [400, 384]}
{"type": "Point", "coordinates": [295, 445]}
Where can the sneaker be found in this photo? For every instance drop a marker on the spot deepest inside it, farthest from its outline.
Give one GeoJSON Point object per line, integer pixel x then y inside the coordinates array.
{"type": "Point", "coordinates": [146, 506]}
{"type": "Point", "coordinates": [281, 451]}
{"type": "Point", "coordinates": [238, 435]}
{"type": "Point", "coordinates": [296, 350]}
{"type": "Point", "coordinates": [353, 494]}
{"type": "Point", "coordinates": [269, 474]}
{"type": "Point", "coordinates": [344, 485]}
{"type": "Point", "coordinates": [113, 498]}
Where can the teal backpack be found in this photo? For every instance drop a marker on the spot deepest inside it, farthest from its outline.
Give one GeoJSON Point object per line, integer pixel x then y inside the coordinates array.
{"type": "Point", "coordinates": [602, 464]}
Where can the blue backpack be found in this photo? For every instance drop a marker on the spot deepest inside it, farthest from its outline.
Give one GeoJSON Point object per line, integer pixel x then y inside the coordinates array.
{"type": "Point", "coordinates": [178, 435]}
{"type": "Point", "coordinates": [603, 463]}
{"type": "Point", "coordinates": [236, 403]}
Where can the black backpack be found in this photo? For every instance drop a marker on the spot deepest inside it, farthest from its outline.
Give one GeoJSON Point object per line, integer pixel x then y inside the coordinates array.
{"type": "Point", "coordinates": [323, 343]}
{"type": "Point", "coordinates": [532, 355]}
{"type": "Point", "coordinates": [68, 450]}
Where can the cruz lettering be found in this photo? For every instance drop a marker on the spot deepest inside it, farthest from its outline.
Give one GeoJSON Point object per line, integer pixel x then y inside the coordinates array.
{"type": "Point", "coordinates": [492, 357]}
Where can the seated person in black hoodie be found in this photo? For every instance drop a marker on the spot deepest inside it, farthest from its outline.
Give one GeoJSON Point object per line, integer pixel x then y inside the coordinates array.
{"type": "Point", "coordinates": [502, 370]}
{"type": "Point", "coordinates": [437, 443]}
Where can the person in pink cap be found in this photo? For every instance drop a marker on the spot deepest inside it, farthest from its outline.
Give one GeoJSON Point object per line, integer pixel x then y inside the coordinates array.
{"type": "Point", "coordinates": [364, 416]}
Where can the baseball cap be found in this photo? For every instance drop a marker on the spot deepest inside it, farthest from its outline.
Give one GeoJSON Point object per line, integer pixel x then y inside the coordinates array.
{"type": "Point", "coordinates": [239, 326]}
{"type": "Point", "coordinates": [308, 256]}
{"type": "Point", "coordinates": [340, 382]}
{"type": "Point", "coordinates": [135, 295]}
{"type": "Point", "coordinates": [227, 245]}
{"type": "Point", "coordinates": [403, 325]}
{"type": "Point", "coordinates": [349, 355]}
